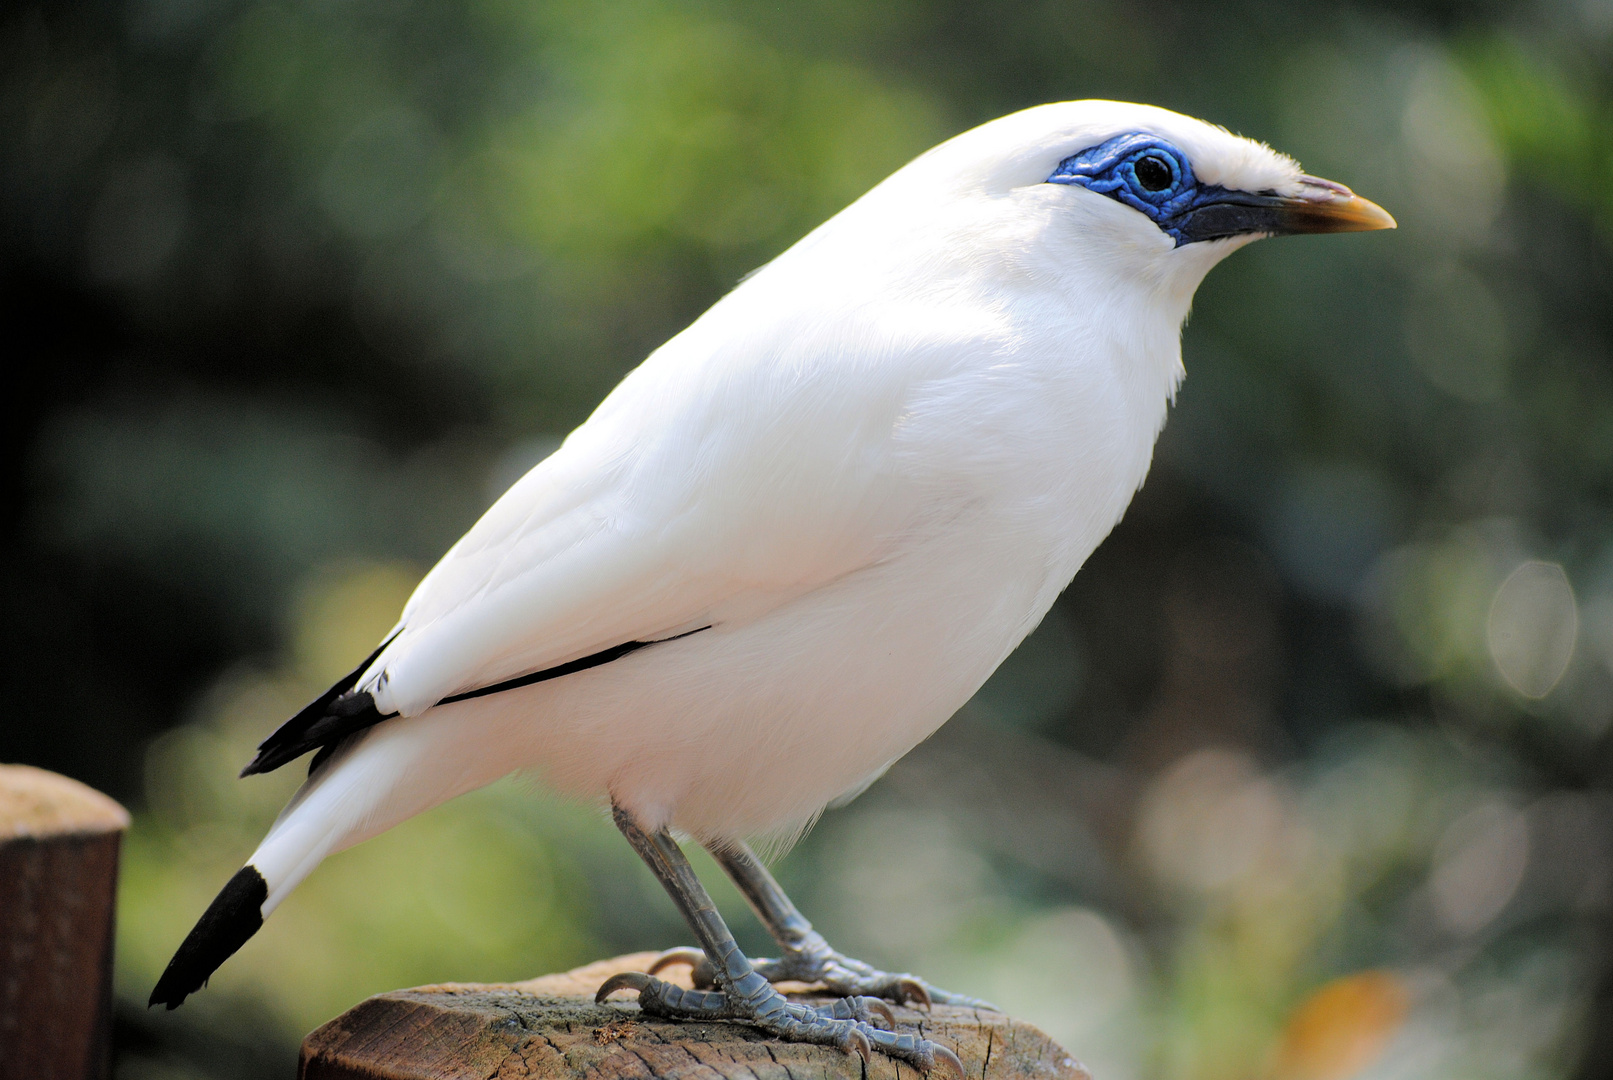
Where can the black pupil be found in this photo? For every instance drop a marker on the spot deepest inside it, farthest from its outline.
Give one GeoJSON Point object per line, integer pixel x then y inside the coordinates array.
{"type": "Point", "coordinates": [1153, 174]}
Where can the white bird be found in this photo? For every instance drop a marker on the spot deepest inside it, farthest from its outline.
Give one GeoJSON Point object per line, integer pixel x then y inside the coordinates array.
{"type": "Point", "coordinates": [801, 534]}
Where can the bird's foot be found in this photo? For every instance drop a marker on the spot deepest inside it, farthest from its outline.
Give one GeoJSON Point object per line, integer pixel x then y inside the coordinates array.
{"type": "Point", "coordinates": [848, 1023]}
{"type": "Point", "coordinates": [813, 961]}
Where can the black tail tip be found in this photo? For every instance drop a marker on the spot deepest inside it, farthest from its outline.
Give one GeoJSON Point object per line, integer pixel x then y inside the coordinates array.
{"type": "Point", "coordinates": [234, 916]}
{"type": "Point", "coordinates": [165, 993]}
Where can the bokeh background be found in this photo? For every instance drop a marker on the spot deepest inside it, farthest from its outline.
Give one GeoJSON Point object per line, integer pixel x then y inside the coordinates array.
{"type": "Point", "coordinates": [1306, 777]}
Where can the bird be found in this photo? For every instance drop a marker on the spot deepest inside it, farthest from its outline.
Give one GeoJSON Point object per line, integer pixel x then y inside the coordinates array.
{"type": "Point", "coordinates": [798, 537]}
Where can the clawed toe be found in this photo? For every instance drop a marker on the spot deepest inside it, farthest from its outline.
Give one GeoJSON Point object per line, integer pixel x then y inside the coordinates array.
{"type": "Point", "coordinates": [812, 961]}
{"type": "Point", "coordinates": [848, 1023]}
{"type": "Point", "coordinates": [636, 981]}
{"type": "Point", "coordinates": [915, 992]}
{"type": "Point", "coordinates": [926, 1056]}
{"type": "Point", "coordinates": [683, 954]}
{"type": "Point", "coordinates": [657, 997]}
{"type": "Point", "coordinates": [701, 972]}
{"type": "Point", "coordinates": [947, 1059]}
{"type": "Point", "coordinates": [852, 978]}
{"type": "Point", "coordinates": [862, 1009]}
{"type": "Point", "coordinates": [854, 1039]}
{"type": "Point", "coordinates": [911, 991]}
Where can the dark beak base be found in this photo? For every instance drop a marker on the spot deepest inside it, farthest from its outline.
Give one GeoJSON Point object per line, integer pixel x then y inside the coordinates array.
{"type": "Point", "coordinates": [1321, 206]}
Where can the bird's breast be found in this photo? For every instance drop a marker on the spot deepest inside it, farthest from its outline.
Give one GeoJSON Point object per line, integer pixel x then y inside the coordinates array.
{"type": "Point", "coordinates": [1040, 443]}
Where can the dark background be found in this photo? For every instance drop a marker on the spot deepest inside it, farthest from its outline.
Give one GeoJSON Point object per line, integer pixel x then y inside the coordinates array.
{"type": "Point", "coordinates": [1307, 774]}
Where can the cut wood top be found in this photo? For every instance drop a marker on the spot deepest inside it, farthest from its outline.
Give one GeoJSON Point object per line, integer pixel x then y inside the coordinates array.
{"type": "Point", "coordinates": [36, 804]}
{"type": "Point", "coordinates": [549, 1028]}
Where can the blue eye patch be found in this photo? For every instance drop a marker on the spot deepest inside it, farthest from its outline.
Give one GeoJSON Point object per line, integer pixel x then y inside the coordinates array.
{"type": "Point", "coordinates": [1148, 174]}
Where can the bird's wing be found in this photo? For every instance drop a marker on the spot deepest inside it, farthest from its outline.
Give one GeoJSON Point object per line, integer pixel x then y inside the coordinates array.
{"type": "Point", "coordinates": [702, 492]}
{"type": "Point", "coordinates": [751, 459]}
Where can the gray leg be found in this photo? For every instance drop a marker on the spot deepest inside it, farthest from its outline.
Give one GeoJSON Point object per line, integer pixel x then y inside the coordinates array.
{"type": "Point", "coordinates": [742, 992]}
{"type": "Point", "coordinates": [807, 956]}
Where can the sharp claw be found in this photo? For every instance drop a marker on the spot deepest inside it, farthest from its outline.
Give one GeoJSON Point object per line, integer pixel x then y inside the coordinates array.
{"type": "Point", "coordinates": [627, 980]}
{"type": "Point", "coordinates": [945, 1057]}
{"type": "Point", "coordinates": [911, 990]}
{"type": "Point", "coordinates": [683, 954]}
{"type": "Point", "coordinates": [859, 1042]}
{"type": "Point", "coordinates": [881, 1010]}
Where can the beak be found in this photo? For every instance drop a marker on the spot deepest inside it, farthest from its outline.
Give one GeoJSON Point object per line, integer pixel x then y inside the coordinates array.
{"type": "Point", "coordinates": [1320, 206]}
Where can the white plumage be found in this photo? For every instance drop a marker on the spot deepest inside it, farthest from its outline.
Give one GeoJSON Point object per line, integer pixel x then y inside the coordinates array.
{"type": "Point", "coordinates": [869, 470]}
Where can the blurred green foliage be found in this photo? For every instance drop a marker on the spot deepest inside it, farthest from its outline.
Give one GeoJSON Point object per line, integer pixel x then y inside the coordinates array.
{"type": "Point", "coordinates": [1307, 776]}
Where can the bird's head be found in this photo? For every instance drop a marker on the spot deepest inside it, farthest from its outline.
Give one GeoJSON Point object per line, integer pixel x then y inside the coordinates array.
{"type": "Point", "coordinates": [1090, 190]}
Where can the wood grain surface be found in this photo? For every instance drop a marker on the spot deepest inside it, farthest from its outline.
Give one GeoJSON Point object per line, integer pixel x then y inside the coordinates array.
{"type": "Point", "coordinates": [550, 1028]}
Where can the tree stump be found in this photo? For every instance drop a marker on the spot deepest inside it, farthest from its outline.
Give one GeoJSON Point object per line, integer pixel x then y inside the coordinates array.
{"type": "Point", "coordinates": [550, 1029]}
{"type": "Point", "coordinates": [58, 887]}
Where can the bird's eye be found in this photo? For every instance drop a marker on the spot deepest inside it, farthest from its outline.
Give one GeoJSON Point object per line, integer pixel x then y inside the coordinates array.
{"type": "Point", "coordinates": [1153, 173]}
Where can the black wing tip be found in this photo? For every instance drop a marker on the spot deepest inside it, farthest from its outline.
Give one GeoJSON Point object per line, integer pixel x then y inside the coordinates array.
{"type": "Point", "coordinates": [235, 915]}
{"type": "Point", "coordinates": [168, 994]}
{"type": "Point", "coordinates": [258, 764]}
{"type": "Point", "coordinates": [340, 712]}
{"type": "Point", "coordinates": [268, 759]}
{"type": "Point", "coordinates": [311, 727]}
{"type": "Point", "coordinates": [324, 723]}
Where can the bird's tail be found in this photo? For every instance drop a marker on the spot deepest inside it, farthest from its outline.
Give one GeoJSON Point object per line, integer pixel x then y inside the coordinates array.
{"type": "Point", "coordinates": [298, 842]}
{"type": "Point", "coordinates": [358, 793]}
{"type": "Point", "coordinates": [234, 916]}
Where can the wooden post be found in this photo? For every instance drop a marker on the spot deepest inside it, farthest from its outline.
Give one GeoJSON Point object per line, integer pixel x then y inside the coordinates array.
{"type": "Point", "coordinates": [550, 1029]}
{"type": "Point", "coordinates": [58, 884]}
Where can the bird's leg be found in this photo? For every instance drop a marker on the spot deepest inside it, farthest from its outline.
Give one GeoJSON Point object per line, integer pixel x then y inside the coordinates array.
{"type": "Point", "coordinates": [742, 992]}
{"type": "Point", "coordinates": [807, 957]}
